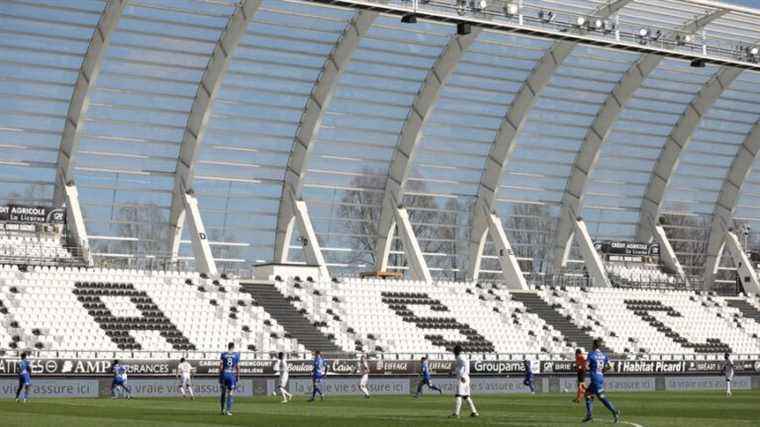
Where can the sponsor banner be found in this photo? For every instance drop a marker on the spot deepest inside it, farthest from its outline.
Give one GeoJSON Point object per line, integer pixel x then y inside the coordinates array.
{"type": "Point", "coordinates": [628, 248]}
{"type": "Point", "coordinates": [334, 385]}
{"type": "Point", "coordinates": [496, 367]}
{"type": "Point", "coordinates": [165, 387]}
{"type": "Point", "coordinates": [350, 367]}
{"type": "Point", "coordinates": [32, 214]}
{"type": "Point", "coordinates": [687, 383]}
{"type": "Point", "coordinates": [567, 384]}
{"type": "Point", "coordinates": [649, 367]}
{"type": "Point", "coordinates": [50, 387]}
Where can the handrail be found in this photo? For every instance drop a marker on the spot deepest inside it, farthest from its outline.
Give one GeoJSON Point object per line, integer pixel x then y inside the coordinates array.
{"type": "Point", "coordinates": [248, 355]}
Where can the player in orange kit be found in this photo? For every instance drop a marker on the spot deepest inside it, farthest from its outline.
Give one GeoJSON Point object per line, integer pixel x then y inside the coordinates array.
{"type": "Point", "coordinates": [580, 369]}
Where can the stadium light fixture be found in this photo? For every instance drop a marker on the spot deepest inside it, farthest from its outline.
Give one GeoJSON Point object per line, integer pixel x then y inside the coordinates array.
{"type": "Point", "coordinates": [643, 35]}
{"type": "Point", "coordinates": [698, 63]}
{"type": "Point", "coordinates": [461, 7]}
{"type": "Point", "coordinates": [478, 5]}
{"type": "Point", "coordinates": [683, 39]}
{"type": "Point", "coordinates": [546, 16]}
{"type": "Point", "coordinates": [409, 18]}
{"type": "Point", "coordinates": [511, 9]}
{"type": "Point", "coordinates": [581, 21]}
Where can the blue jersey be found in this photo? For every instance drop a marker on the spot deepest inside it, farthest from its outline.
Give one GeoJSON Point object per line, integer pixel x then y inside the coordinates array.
{"type": "Point", "coordinates": [528, 369]}
{"type": "Point", "coordinates": [119, 371]}
{"type": "Point", "coordinates": [425, 370]}
{"type": "Point", "coordinates": [319, 368]}
{"type": "Point", "coordinates": [597, 361]}
{"type": "Point", "coordinates": [24, 368]}
{"type": "Point", "coordinates": [230, 360]}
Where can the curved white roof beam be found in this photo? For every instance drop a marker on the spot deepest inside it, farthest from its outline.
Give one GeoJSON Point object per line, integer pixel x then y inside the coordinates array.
{"type": "Point", "coordinates": [510, 128]}
{"type": "Point", "coordinates": [310, 122]}
{"type": "Point", "coordinates": [728, 198]}
{"type": "Point", "coordinates": [411, 133]}
{"type": "Point", "coordinates": [197, 120]}
{"type": "Point", "coordinates": [596, 137]}
{"type": "Point", "coordinates": [677, 141]}
{"type": "Point", "coordinates": [80, 98]}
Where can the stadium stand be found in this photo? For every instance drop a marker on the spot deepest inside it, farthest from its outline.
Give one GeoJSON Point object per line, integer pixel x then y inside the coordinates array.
{"type": "Point", "coordinates": [110, 310]}
{"type": "Point", "coordinates": [68, 309]}
{"type": "Point", "coordinates": [639, 275]}
{"type": "Point", "coordinates": [33, 249]}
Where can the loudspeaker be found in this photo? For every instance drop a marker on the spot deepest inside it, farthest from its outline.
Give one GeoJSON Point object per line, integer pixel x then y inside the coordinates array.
{"type": "Point", "coordinates": [463, 28]}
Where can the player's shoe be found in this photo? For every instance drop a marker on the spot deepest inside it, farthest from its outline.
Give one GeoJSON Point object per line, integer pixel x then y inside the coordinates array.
{"type": "Point", "coordinates": [474, 415]}
{"type": "Point", "coordinates": [588, 419]}
{"type": "Point", "coordinates": [440, 391]}
{"type": "Point", "coordinates": [366, 396]}
{"type": "Point", "coordinates": [228, 413]}
{"type": "Point", "coordinates": [454, 416]}
{"type": "Point", "coordinates": [617, 417]}
{"type": "Point", "coordinates": [18, 400]}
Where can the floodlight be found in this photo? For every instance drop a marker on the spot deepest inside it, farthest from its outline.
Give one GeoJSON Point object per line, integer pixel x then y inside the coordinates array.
{"type": "Point", "coordinates": [478, 5]}
{"type": "Point", "coordinates": [644, 32]}
{"type": "Point", "coordinates": [511, 9]}
{"type": "Point", "coordinates": [546, 15]}
{"type": "Point", "coordinates": [754, 51]}
{"type": "Point", "coordinates": [581, 21]}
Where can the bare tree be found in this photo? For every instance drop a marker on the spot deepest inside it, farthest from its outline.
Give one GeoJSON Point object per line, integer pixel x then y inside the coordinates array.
{"type": "Point", "coordinates": [531, 229]}
{"type": "Point", "coordinates": [360, 209]}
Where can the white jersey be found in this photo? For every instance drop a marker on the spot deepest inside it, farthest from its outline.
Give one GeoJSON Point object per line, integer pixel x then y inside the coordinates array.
{"type": "Point", "coordinates": [728, 369]}
{"type": "Point", "coordinates": [363, 367]}
{"type": "Point", "coordinates": [462, 367]}
{"type": "Point", "coordinates": [282, 367]}
{"type": "Point", "coordinates": [185, 369]}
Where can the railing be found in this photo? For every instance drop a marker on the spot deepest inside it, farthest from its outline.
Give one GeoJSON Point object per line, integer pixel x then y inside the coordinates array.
{"type": "Point", "coordinates": [247, 355]}
{"type": "Point", "coordinates": [615, 30]}
{"type": "Point", "coordinates": [23, 254]}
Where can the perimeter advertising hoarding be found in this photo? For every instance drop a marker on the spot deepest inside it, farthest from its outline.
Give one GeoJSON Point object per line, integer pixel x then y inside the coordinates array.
{"type": "Point", "coordinates": [349, 367]}
{"type": "Point", "coordinates": [49, 387]}
{"type": "Point", "coordinates": [166, 387]}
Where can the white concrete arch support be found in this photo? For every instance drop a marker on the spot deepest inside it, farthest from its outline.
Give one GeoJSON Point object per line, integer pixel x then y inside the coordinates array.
{"type": "Point", "coordinates": [504, 144]}
{"type": "Point", "coordinates": [596, 137]}
{"type": "Point", "coordinates": [406, 150]}
{"type": "Point", "coordinates": [80, 98]}
{"type": "Point", "coordinates": [588, 155]}
{"type": "Point", "coordinates": [195, 129]}
{"type": "Point", "coordinates": [728, 199]}
{"type": "Point", "coordinates": [65, 191]}
{"type": "Point", "coordinates": [308, 128]}
{"type": "Point", "coordinates": [677, 141]}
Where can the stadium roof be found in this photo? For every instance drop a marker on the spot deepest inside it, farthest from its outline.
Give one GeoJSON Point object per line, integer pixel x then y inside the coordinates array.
{"type": "Point", "coordinates": [538, 114]}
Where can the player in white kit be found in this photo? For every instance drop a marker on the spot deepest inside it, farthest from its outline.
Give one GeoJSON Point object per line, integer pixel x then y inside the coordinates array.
{"type": "Point", "coordinates": [364, 372]}
{"type": "Point", "coordinates": [462, 369]}
{"type": "Point", "coordinates": [281, 367]}
{"type": "Point", "coordinates": [728, 370]}
{"type": "Point", "coordinates": [184, 377]}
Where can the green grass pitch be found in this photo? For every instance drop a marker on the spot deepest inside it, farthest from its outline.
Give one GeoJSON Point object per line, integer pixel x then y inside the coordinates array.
{"type": "Point", "coordinates": [644, 409]}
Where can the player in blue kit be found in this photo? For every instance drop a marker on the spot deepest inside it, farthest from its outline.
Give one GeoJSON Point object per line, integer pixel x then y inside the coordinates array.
{"type": "Point", "coordinates": [119, 379]}
{"type": "Point", "coordinates": [425, 381]}
{"type": "Point", "coordinates": [229, 375]}
{"type": "Point", "coordinates": [318, 373]}
{"type": "Point", "coordinates": [598, 364]}
{"type": "Point", "coordinates": [528, 380]}
{"type": "Point", "coordinates": [24, 379]}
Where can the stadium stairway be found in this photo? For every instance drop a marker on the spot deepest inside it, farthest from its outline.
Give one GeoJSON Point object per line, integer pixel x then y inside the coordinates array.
{"type": "Point", "coordinates": [296, 324]}
{"type": "Point", "coordinates": [748, 310]}
{"type": "Point", "coordinates": [574, 336]}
